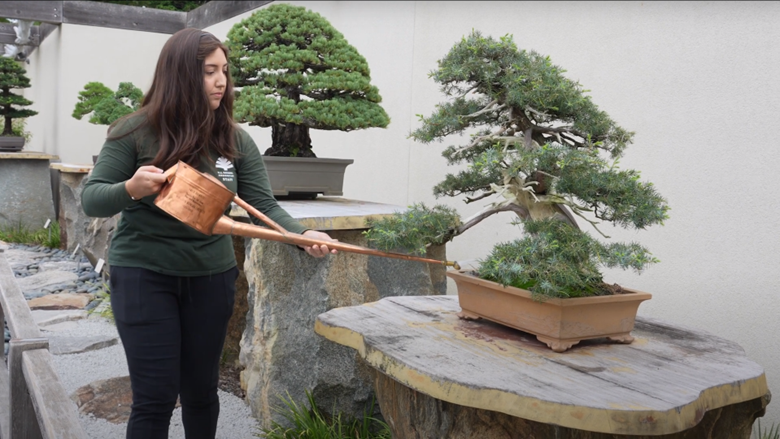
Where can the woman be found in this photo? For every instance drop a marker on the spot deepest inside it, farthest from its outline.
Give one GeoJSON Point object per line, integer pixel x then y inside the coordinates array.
{"type": "Point", "coordinates": [172, 288]}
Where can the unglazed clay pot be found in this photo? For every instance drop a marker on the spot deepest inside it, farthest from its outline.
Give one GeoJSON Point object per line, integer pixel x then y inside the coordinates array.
{"type": "Point", "coordinates": [559, 323]}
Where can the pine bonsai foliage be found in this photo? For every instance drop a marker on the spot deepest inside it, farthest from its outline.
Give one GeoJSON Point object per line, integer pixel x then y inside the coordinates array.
{"type": "Point", "coordinates": [12, 75]}
{"type": "Point", "coordinates": [544, 151]}
{"type": "Point", "coordinates": [104, 105]}
{"type": "Point", "coordinates": [297, 72]}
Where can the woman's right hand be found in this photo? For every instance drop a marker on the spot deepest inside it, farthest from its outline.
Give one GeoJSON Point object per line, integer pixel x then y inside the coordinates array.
{"type": "Point", "coordinates": [147, 180]}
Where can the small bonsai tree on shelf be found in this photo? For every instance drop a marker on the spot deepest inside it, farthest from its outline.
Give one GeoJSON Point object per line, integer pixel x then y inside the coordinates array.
{"type": "Point", "coordinates": [545, 152]}
{"type": "Point", "coordinates": [104, 105]}
{"type": "Point", "coordinates": [12, 76]}
{"type": "Point", "coordinates": [297, 72]}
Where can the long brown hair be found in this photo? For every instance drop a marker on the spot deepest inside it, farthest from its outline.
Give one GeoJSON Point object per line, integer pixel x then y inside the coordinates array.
{"type": "Point", "coordinates": [177, 106]}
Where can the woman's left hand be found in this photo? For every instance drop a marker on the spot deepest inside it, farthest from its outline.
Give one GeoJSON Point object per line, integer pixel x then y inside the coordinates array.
{"type": "Point", "coordinates": [318, 251]}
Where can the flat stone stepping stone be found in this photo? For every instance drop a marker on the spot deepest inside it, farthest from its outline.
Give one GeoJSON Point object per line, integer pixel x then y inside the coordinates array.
{"type": "Point", "coordinates": [46, 278]}
{"type": "Point", "coordinates": [61, 265]}
{"type": "Point", "coordinates": [15, 256]}
{"type": "Point", "coordinates": [61, 301]}
{"type": "Point", "coordinates": [77, 345]}
{"type": "Point", "coordinates": [62, 326]}
{"type": "Point", "coordinates": [50, 317]}
{"type": "Point", "coordinates": [106, 399]}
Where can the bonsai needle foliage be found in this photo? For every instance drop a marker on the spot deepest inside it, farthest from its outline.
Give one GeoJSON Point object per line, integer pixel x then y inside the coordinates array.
{"type": "Point", "coordinates": [297, 72]}
{"type": "Point", "coordinates": [12, 75]}
{"type": "Point", "coordinates": [105, 105]}
{"type": "Point", "coordinates": [540, 147]}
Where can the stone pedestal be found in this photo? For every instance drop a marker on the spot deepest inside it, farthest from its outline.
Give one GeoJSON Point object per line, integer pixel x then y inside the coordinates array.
{"type": "Point", "coordinates": [26, 195]}
{"type": "Point", "coordinates": [92, 235]}
{"type": "Point", "coordinates": [287, 289]}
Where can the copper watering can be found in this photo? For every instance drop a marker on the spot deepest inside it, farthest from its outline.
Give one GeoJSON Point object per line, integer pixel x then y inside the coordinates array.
{"type": "Point", "coordinates": [199, 201]}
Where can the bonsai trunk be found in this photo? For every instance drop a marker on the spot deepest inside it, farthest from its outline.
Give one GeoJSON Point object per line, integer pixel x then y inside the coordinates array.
{"type": "Point", "coordinates": [290, 140]}
{"type": "Point", "coordinates": [540, 211]}
{"type": "Point", "coordinates": [8, 128]}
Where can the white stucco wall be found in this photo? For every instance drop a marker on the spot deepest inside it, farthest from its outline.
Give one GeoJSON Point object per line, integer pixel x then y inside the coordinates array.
{"type": "Point", "coordinates": [695, 81]}
{"type": "Point", "coordinates": [68, 59]}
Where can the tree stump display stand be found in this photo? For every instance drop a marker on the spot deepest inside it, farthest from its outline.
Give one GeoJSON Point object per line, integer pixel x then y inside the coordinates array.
{"type": "Point", "coordinates": [437, 376]}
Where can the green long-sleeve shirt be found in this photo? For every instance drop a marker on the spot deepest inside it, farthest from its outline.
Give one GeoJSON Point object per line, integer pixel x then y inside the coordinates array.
{"type": "Point", "coordinates": [146, 236]}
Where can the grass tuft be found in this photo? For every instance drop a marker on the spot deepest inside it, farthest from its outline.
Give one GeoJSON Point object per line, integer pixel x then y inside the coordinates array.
{"type": "Point", "coordinates": [310, 423]}
{"type": "Point", "coordinates": [21, 234]}
{"type": "Point", "coordinates": [772, 433]}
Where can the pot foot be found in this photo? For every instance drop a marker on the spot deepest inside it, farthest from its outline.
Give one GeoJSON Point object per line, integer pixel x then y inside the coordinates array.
{"type": "Point", "coordinates": [622, 338]}
{"type": "Point", "coordinates": [465, 315]}
{"type": "Point", "coordinates": [557, 345]}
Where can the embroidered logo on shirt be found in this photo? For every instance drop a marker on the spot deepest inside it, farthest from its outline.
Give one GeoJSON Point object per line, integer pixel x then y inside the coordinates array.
{"type": "Point", "coordinates": [224, 164]}
{"type": "Point", "coordinates": [225, 174]}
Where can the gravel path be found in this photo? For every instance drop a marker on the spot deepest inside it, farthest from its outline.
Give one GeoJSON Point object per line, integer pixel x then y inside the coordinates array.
{"type": "Point", "coordinates": [76, 370]}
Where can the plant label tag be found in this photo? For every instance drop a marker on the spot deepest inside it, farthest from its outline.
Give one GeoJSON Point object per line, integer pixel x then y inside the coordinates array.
{"type": "Point", "coordinates": [76, 250]}
{"type": "Point", "coordinates": [99, 265]}
{"type": "Point", "coordinates": [48, 222]}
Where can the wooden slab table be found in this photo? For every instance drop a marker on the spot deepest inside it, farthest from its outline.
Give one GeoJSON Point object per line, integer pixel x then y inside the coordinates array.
{"type": "Point", "coordinates": [437, 376]}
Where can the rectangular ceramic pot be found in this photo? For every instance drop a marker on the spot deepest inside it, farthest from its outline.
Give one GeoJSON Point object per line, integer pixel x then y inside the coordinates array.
{"type": "Point", "coordinates": [11, 143]}
{"type": "Point", "coordinates": [303, 177]}
{"type": "Point", "coordinates": [559, 323]}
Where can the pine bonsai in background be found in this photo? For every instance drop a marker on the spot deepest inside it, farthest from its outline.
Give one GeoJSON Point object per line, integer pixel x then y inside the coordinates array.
{"type": "Point", "coordinates": [104, 105]}
{"type": "Point", "coordinates": [297, 72]}
{"type": "Point", "coordinates": [12, 76]}
{"type": "Point", "coordinates": [544, 152]}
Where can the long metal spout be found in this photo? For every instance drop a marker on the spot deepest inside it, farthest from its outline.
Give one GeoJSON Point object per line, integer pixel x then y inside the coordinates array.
{"type": "Point", "coordinates": [227, 226]}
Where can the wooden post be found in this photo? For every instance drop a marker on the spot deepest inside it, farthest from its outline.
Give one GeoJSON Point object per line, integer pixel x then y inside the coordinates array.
{"type": "Point", "coordinates": [56, 413]}
{"type": "Point", "coordinates": [24, 424]}
{"type": "Point", "coordinates": [5, 411]}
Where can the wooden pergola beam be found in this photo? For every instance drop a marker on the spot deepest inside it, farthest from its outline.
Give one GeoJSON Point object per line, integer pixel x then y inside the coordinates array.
{"type": "Point", "coordinates": [123, 17]}
{"type": "Point", "coordinates": [8, 34]}
{"type": "Point", "coordinates": [91, 13]}
{"type": "Point", "coordinates": [44, 11]}
{"type": "Point", "coordinates": [215, 12]}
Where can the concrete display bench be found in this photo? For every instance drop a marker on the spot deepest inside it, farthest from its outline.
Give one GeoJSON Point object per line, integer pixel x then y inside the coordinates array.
{"type": "Point", "coordinates": [26, 189]}
{"type": "Point", "coordinates": [437, 376]}
{"type": "Point", "coordinates": [281, 290]}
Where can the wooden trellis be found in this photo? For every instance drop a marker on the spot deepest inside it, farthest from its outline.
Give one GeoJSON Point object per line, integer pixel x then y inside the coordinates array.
{"type": "Point", "coordinates": [53, 13]}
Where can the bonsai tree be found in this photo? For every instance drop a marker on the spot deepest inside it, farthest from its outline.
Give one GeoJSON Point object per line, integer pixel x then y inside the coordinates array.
{"type": "Point", "coordinates": [104, 105]}
{"type": "Point", "coordinates": [297, 72]}
{"type": "Point", "coordinates": [544, 152]}
{"type": "Point", "coordinates": [12, 75]}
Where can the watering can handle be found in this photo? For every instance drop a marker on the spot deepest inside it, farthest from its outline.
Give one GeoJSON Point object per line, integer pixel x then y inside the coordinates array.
{"type": "Point", "coordinates": [259, 215]}
{"type": "Point", "coordinates": [170, 173]}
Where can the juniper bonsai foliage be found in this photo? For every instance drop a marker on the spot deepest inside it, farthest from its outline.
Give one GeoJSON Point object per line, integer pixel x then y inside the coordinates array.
{"type": "Point", "coordinates": [12, 75]}
{"type": "Point", "coordinates": [297, 72]}
{"type": "Point", "coordinates": [104, 105]}
{"type": "Point", "coordinates": [544, 151]}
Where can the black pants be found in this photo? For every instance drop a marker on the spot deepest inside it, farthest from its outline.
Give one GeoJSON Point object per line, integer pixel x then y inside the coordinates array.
{"type": "Point", "coordinates": [172, 329]}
